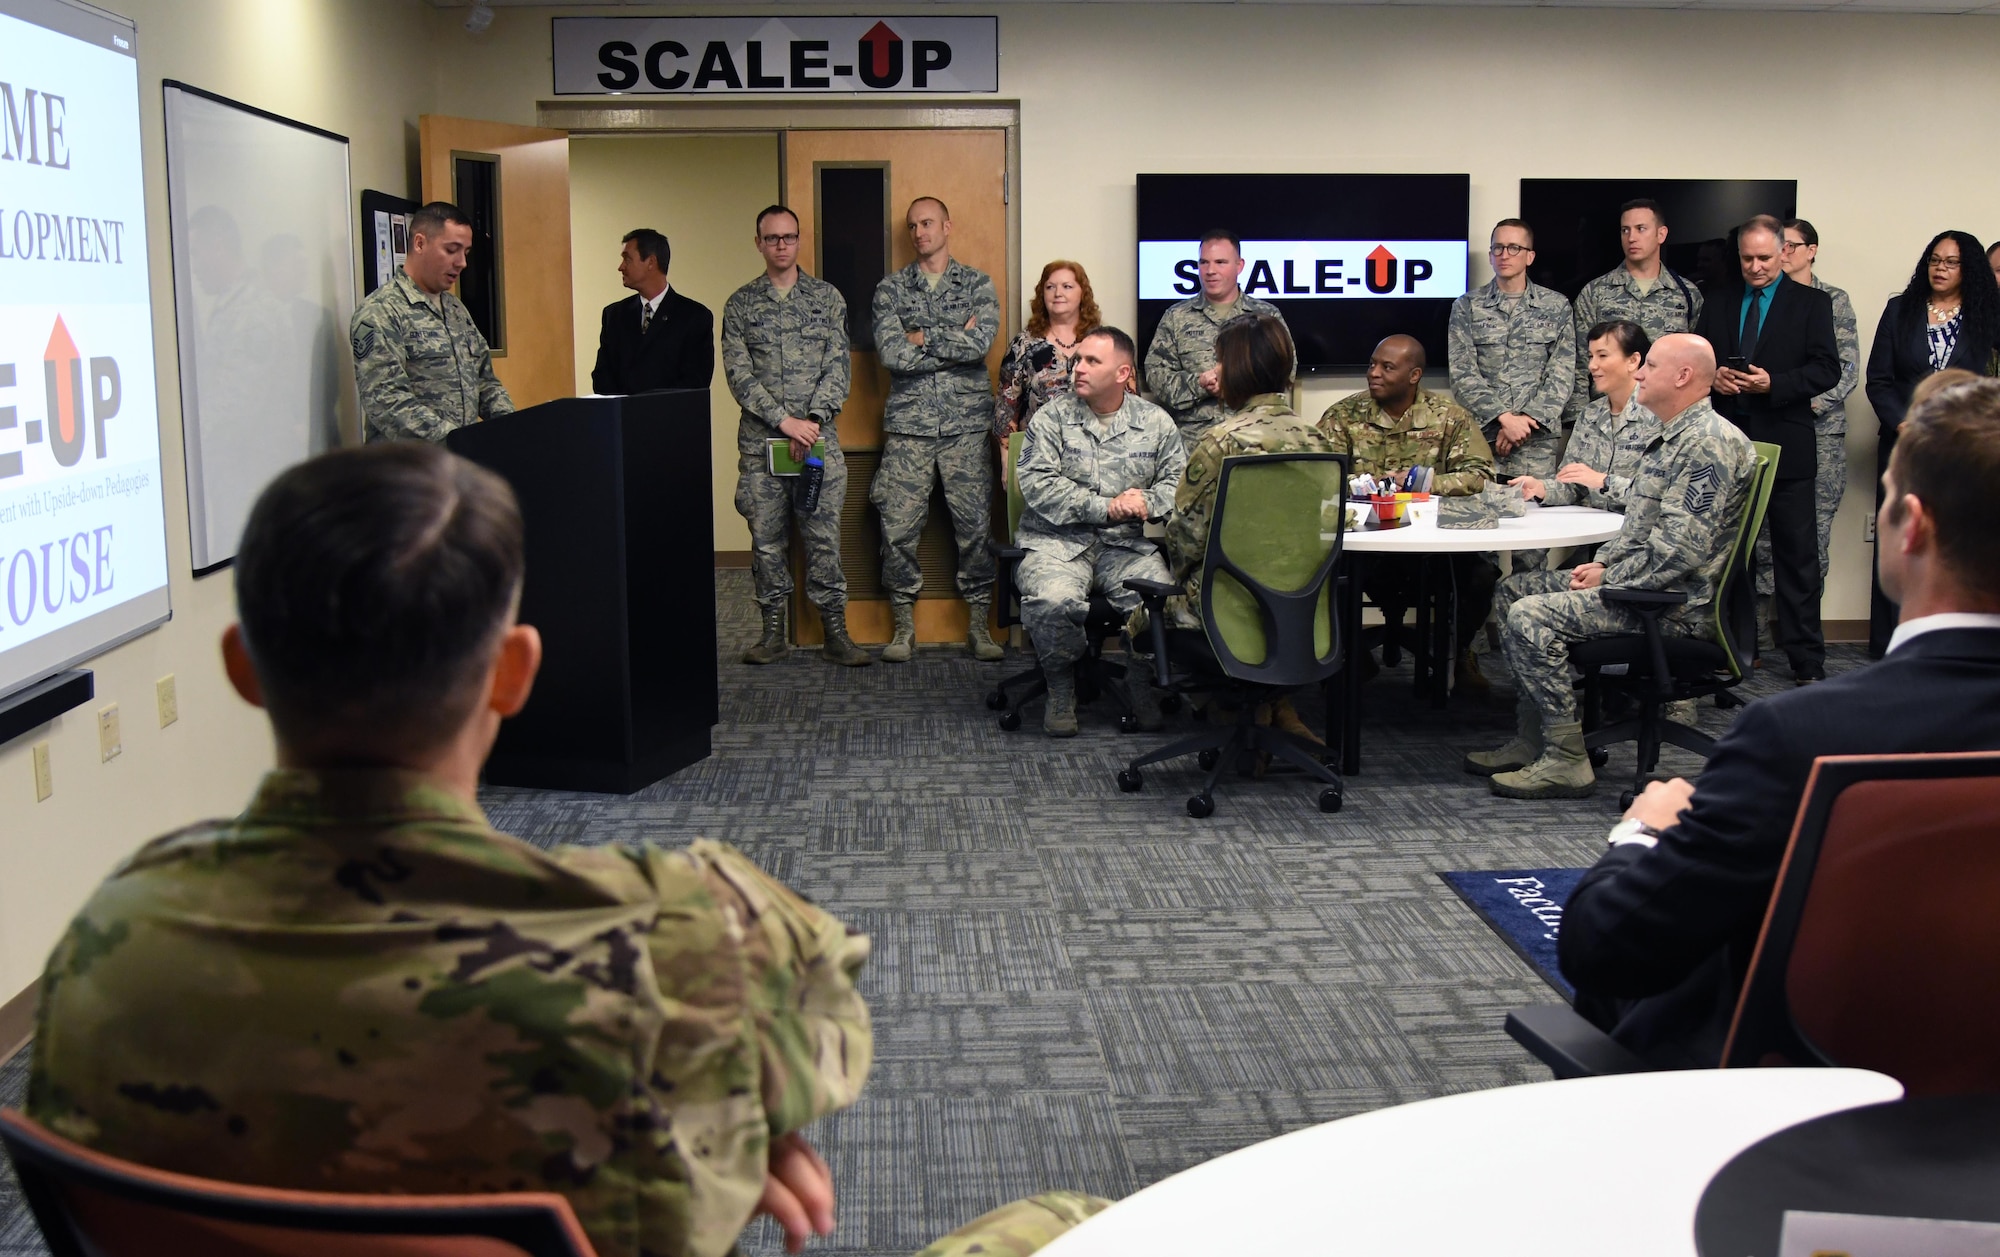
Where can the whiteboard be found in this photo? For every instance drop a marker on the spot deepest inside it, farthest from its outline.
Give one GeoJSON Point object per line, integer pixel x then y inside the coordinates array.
{"type": "Point", "coordinates": [263, 241]}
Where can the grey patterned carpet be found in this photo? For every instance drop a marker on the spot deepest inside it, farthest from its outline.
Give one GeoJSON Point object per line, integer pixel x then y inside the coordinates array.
{"type": "Point", "coordinates": [1080, 988]}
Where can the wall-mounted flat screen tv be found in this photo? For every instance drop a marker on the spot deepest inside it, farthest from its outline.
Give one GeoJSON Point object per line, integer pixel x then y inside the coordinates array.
{"type": "Point", "coordinates": [1347, 259]}
{"type": "Point", "coordinates": [1576, 225]}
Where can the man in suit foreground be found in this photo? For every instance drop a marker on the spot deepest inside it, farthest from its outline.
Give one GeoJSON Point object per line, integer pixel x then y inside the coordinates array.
{"type": "Point", "coordinates": [1658, 935]}
{"type": "Point", "coordinates": [656, 338]}
{"type": "Point", "coordinates": [1776, 342]}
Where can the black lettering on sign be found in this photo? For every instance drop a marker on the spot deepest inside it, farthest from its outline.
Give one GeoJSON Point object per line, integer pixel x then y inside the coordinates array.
{"type": "Point", "coordinates": [930, 55]}
{"type": "Point", "coordinates": [1415, 270]}
{"type": "Point", "coordinates": [809, 55]}
{"type": "Point", "coordinates": [1260, 277]}
{"type": "Point", "coordinates": [666, 82]}
{"type": "Point", "coordinates": [616, 57]}
{"type": "Point", "coordinates": [1187, 280]}
{"type": "Point", "coordinates": [717, 66]}
{"type": "Point", "coordinates": [753, 57]}
{"type": "Point", "coordinates": [881, 51]}
{"type": "Point", "coordinates": [1290, 284]}
{"type": "Point", "coordinates": [1326, 276]}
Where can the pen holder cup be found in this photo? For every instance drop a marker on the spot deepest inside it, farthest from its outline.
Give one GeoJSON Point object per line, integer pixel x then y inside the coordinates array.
{"type": "Point", "coordinates": [1389, 511]}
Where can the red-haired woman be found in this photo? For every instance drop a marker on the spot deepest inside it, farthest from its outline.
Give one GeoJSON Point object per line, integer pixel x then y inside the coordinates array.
{"type": "Point", "coordinates": [1037, 366]}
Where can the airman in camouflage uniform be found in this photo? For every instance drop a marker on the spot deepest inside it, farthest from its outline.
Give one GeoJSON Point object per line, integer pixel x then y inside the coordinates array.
{"type": "Point", "coordinates": [421, 364]}
{"type": "Point", "coordinates": [1075, 463]}
{"type": "Point", "coordinates": [1019, 1229]}
{"type": "Point", "coordinates": [1679, 527]}
{"type": "Point", "coordinates": [784, 354]}
{"type": "Point", "coordinates": [1183, 350]}
{"type": "Point", "coordinates": [935, 427]}
{"type": "Point", "coordinates": [1663, 305]}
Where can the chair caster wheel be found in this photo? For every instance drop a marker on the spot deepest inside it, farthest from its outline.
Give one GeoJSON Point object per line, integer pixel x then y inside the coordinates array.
{"type": "Point", "coordinates": [996, 701]}
{"type": "Point", "coordinates": [1170, 704]}
{"type": "Point", "coordinates": [1129, 780]}
{"type": "Point", "coordinates": [1207, 759]}
{"type": "Point", "coordinates": [1329, 800]}
{"type": "Point", "coordinates": [1128, 724]}
{"type": "Point", "coordinates": [1010, 720]}
{"type": "Point", "coordinates": [1201, 805]}
{"type": "Point", "coordinates": [1625, 800]}
{"type": "Point", "coordinates": [1600, 756]}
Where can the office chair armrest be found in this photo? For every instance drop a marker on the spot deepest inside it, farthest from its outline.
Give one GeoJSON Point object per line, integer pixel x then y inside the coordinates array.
{"type": "Point", "coordinates": [1641, 600]}
{"type": "Point", "coordinates": [1561, 1039]}
{"type": "Point", "coordinates": [1011, 553]}
{"type": "Point", "coordinates": [1152, 590]}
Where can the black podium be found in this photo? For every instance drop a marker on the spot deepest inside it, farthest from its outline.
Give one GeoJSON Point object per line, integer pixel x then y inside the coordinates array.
{"type": "Point", "coordinates": [615, 494]}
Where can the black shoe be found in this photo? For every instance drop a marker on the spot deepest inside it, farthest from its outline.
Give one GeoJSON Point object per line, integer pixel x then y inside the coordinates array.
{"type": "Point", "coordinates": [1806, 674]}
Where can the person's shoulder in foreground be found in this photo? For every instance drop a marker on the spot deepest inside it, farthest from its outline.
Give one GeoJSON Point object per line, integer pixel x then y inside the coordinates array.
{"type": "Point", "coordinates": [1658, 934]}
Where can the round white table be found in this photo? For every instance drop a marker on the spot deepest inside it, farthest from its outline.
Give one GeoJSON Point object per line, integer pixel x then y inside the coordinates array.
{"type": "Point", "coordinates": [1589, 1167]}
{"type": "Point", "coordinates": [1542, 528]}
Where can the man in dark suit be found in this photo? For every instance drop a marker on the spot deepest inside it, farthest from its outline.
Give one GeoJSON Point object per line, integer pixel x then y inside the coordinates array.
{"type": "Point", "coordinates": [1777, 344]}
{"type": "Point", "coordinates": [655, 338]}
{"type": "Point", "coordinates": [1658, 935]}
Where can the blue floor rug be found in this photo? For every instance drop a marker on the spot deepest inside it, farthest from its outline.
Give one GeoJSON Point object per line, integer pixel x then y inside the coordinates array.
{"type": "Point", "coordinates": [1524, 907]}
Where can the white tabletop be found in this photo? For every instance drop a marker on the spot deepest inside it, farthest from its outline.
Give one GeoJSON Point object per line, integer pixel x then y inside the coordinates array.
{"type": "Point", "coordinates": [1542, 528]}
{"type": "Point", "coordinates": [1587, 1167]}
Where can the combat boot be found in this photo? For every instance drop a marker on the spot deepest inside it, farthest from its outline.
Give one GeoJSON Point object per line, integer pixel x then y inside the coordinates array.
{"type": "Point", "coordinates": [840, 648]}
{"type": "Point", "coordinates": [904, 640]}
{"type": "Point", "coordinates": [1144, 698]}
{"type": "Point", "coordinates": [1469, 676]}
{"type": "Point", "coordinates": [976, 637]}
{"type": "Point", "coordinates": [1686, 711]}
{"type": "Point", "coordinates": [773, 647]}
{"type": "Point", "coordinates": [1563, 771]}
{"type": "Point", "coordinates": [1520, 751]}
{"type": "Point", "coordinates": [1059, 715]}
{"type": "Point", "coordinates": [1285, 717]}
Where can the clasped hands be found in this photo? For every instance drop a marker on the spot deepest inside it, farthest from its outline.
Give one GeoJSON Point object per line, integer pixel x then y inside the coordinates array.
{"type": "Point", "coordinates": [1130, 504]}
{"type": "Point", "coordinates": [1515, 429]}
{"type": "Point", "coordinates": [917, 337]}
{"type": "Point", "coordinates": [1730, 382]}
{"type": "Point", "coordinates": [804, 434]}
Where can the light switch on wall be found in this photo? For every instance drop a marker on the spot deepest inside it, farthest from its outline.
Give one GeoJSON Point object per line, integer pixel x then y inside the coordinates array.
{"type": "Point", "coordinates": [44, 783]}
{"type": "Point", "coordinates": [109, 743]}
{"type": "Point", "coordinates": [170, 703]}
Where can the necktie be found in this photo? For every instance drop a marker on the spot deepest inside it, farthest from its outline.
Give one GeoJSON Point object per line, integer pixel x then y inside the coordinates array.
{"type": "Point", "coordinates": [645, 317]}
{"type": "Point", "coordinates": [1752, 322]}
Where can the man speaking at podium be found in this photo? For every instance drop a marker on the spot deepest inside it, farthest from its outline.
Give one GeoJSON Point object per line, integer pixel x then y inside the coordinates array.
{"type": "Point", "coordinates": [422, 365]}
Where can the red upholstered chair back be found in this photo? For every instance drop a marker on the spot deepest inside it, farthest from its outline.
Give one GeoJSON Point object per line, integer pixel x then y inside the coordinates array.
{"type": "Point", "coordinates": [1882, 946]}
{"type": "Point", "coordinates": [92, 1205]}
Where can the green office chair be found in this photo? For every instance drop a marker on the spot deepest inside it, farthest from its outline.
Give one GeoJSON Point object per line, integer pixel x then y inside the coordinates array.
{"type": "Point", "coordinates": [1659, 669]}
{"type": "Point", "coordinates": [1267, 607]}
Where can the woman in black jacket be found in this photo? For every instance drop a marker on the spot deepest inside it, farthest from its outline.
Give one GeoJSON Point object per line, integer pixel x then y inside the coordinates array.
{"type": "Point", "coordinates": [1948, 316]}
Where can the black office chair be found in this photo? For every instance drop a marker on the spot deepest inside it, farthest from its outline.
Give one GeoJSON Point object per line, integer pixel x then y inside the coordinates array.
{"type": "Point", "coordinates": [1268, 610]}
{"type": "Point", "coordinates": [1658, 669]}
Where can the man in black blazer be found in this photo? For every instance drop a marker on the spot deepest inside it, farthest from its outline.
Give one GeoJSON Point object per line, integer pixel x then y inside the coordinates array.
{"type": "Point", "coordinates": [1658, 935]}
{"type": "Point", "coordinates": [655, 338]}
{"type": "Point", "coordinates": [1777, 345]}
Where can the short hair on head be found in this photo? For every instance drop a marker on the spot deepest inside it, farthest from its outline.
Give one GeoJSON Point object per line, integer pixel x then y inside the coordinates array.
{"type": "Point", "coordinates": [431, 219]}
{"type": "Point", "coordinates": [1631, 338]}
{"type": "Point", "coordinates": [1937, 381]}
{"type": "Point", "coordinates": [1762, 222]}
{"type": "Point", "coordinates": [1805, 229]}
{"type": "Point", "coordinates": [1513, 222]}
{"type": "Point", "coordinates": [1088, 316]}
{"type": "Point", "coordinates": [1947, 456]}
{"type": "Point", "coordinates": [1120, 342]}
{"type": "Point", "coordinates": [1645, 203]}
{"type": "Point", "coordinates": [769, 210]}
{"type": "Point", "coordinates": [1220, 233]}
{"type": "Point", "coordinates": [1409, 344]}
{"type": "Point", "coordinates": [650, 245]}
{"type": "Point", "coordinates": [944, 211]}
{"type": "Point", "coordinates": [372, 585]}
{"type": "Point", "coordinates": [1255, 355]}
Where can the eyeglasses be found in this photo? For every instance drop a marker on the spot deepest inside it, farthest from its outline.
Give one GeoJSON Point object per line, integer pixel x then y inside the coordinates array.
{"type": "Point", "coordinates": [1795, 244]}
{"type": "Point", "coordinates": [1943, 264]}
{"type": "Point", "coordinates": [775, 241]}
{"type": "Point", "coordinates": [1509, 250]}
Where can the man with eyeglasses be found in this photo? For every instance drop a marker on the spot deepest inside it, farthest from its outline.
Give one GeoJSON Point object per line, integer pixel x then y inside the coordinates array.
{"type": "Point", "coordinates": [1643, 291]}
{"type": "Point", "coordinates": [784, 354]}
{"type": "Point", "coordinates": [656, 338]}
{"type": "Point", "coordinates": [1512, 365]}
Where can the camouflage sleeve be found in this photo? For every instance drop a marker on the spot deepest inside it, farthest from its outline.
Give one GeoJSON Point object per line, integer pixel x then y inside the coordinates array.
{"type": "Point", "coordinates": [1173, 386]}
{"type": "Point", "coordinates": [1170, 464]}
{"type": "Point", "coordinates": [829, 394]}
{"type": "Point", "coordinates": [1047, 492]}
{"type": "Point", "coordinates": [1468, 459]}
{"type": "Point", "coordinates": [739, 374]}
{"type": "Point", "coordinates": [1333, 426]}
{"type": "Point", "coordinates": [1474, 391]}
{"type": "Point", "coordinates": [1014, 372]}
{"type": "Point", "coordinates": [1694, 306]}
{"type": "Point", "coordinates": [1697, 516]}
{"type": "Point", "coordinates": [1557, 378]}
{"type": "Point", "coordinates": [388, 404]}
{"type": "Point", "coordinates": [1589, 445]}
{"type": "Point", "coordinates": [958, 343]}
{"type": "Point", "coordinates": [1847, 333]}
{"type": "Point", "coordinates": [1583, 317]}
{"type": "Point", "coordinates": [1194, 500]}
{"type": "Point", "coordinates": [493, 399]}
{"type": "Point", "coordinates": [892, 342]}
{"type": "Point", "coordinates": [1020, 1228]}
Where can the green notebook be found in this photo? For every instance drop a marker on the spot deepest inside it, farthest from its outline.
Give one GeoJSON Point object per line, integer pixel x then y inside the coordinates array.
{"type": "Point", "coordinates": [782, 462]}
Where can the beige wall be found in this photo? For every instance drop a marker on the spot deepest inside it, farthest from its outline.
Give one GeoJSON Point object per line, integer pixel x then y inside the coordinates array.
{"type": "Point", "coordinates": [1110, 90]}
{"type": "Point", "coordinates": [351, 66]}
{"type": "Point", "coordinates": [703, 191]}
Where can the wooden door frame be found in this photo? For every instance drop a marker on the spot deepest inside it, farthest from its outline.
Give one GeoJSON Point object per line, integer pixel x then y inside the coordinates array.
{"type": "Point", "coordinates": [695, 115]}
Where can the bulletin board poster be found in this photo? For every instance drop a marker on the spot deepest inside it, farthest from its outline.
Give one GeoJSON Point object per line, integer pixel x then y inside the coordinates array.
{"type": "Point", "coordinates": [83, 556]}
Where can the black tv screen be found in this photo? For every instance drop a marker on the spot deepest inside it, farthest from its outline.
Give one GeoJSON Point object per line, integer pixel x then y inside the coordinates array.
{"type": "Point", "coordinates": [1576, 225]}
{"type": "Point", "coordinates": [1348, 259]}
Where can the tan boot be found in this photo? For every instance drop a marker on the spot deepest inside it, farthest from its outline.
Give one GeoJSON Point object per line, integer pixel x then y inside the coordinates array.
{"type": "Point", "coordinates": [1523, 749]}
{"type": "Point", "coordinates": [773, 646]}
{"type": "Point", "coordinates": [1059, 715]}
{"type": "Point", "coordinates": [1284, 717]}
{"type": "Point", "coordinates": [840, 648]}
{"type": "Point", "coordinates": [904, 640]}
{"type": "Point", "coordinates": [1469, 676]}
{"type": "Point", "coordinates": [1686, 711]}
{"type": "Point", "coordinates": [978, 639]}
{"type": "Point", "coordinates": [1563, 771]}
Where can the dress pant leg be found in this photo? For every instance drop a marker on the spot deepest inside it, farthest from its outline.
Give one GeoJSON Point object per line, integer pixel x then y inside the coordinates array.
{"type": "Point", "coordinates": [1882, 614]}
{"type": "Point", "coordinates": [1795, 573]}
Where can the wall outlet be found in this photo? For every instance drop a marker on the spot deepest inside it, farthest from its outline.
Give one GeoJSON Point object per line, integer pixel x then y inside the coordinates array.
{"type": "Point", "coordinates": [45, 784]}
{"type": "Point", "coordinates": [1868, 529]}
{"type": "Point", "coordinates": [170, 703]}
{"type": "Point", "coordinates": [109, 743]}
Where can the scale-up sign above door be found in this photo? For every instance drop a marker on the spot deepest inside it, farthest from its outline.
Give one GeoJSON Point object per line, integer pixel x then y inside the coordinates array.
{"type": "Point", "coordinates": [646, 56]}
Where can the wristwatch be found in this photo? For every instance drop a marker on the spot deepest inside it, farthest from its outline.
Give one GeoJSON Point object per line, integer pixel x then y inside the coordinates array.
{"type": "Point", "coordinates": [1633, 830]}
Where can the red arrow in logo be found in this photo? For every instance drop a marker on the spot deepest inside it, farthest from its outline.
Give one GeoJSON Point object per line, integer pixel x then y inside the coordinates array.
{"type": "Point", "coordinates": [62, 372]}
{"type": "Point", "coordinates": [880, 42]}
{"type": "Point", "coordinates": [1380, 276]}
